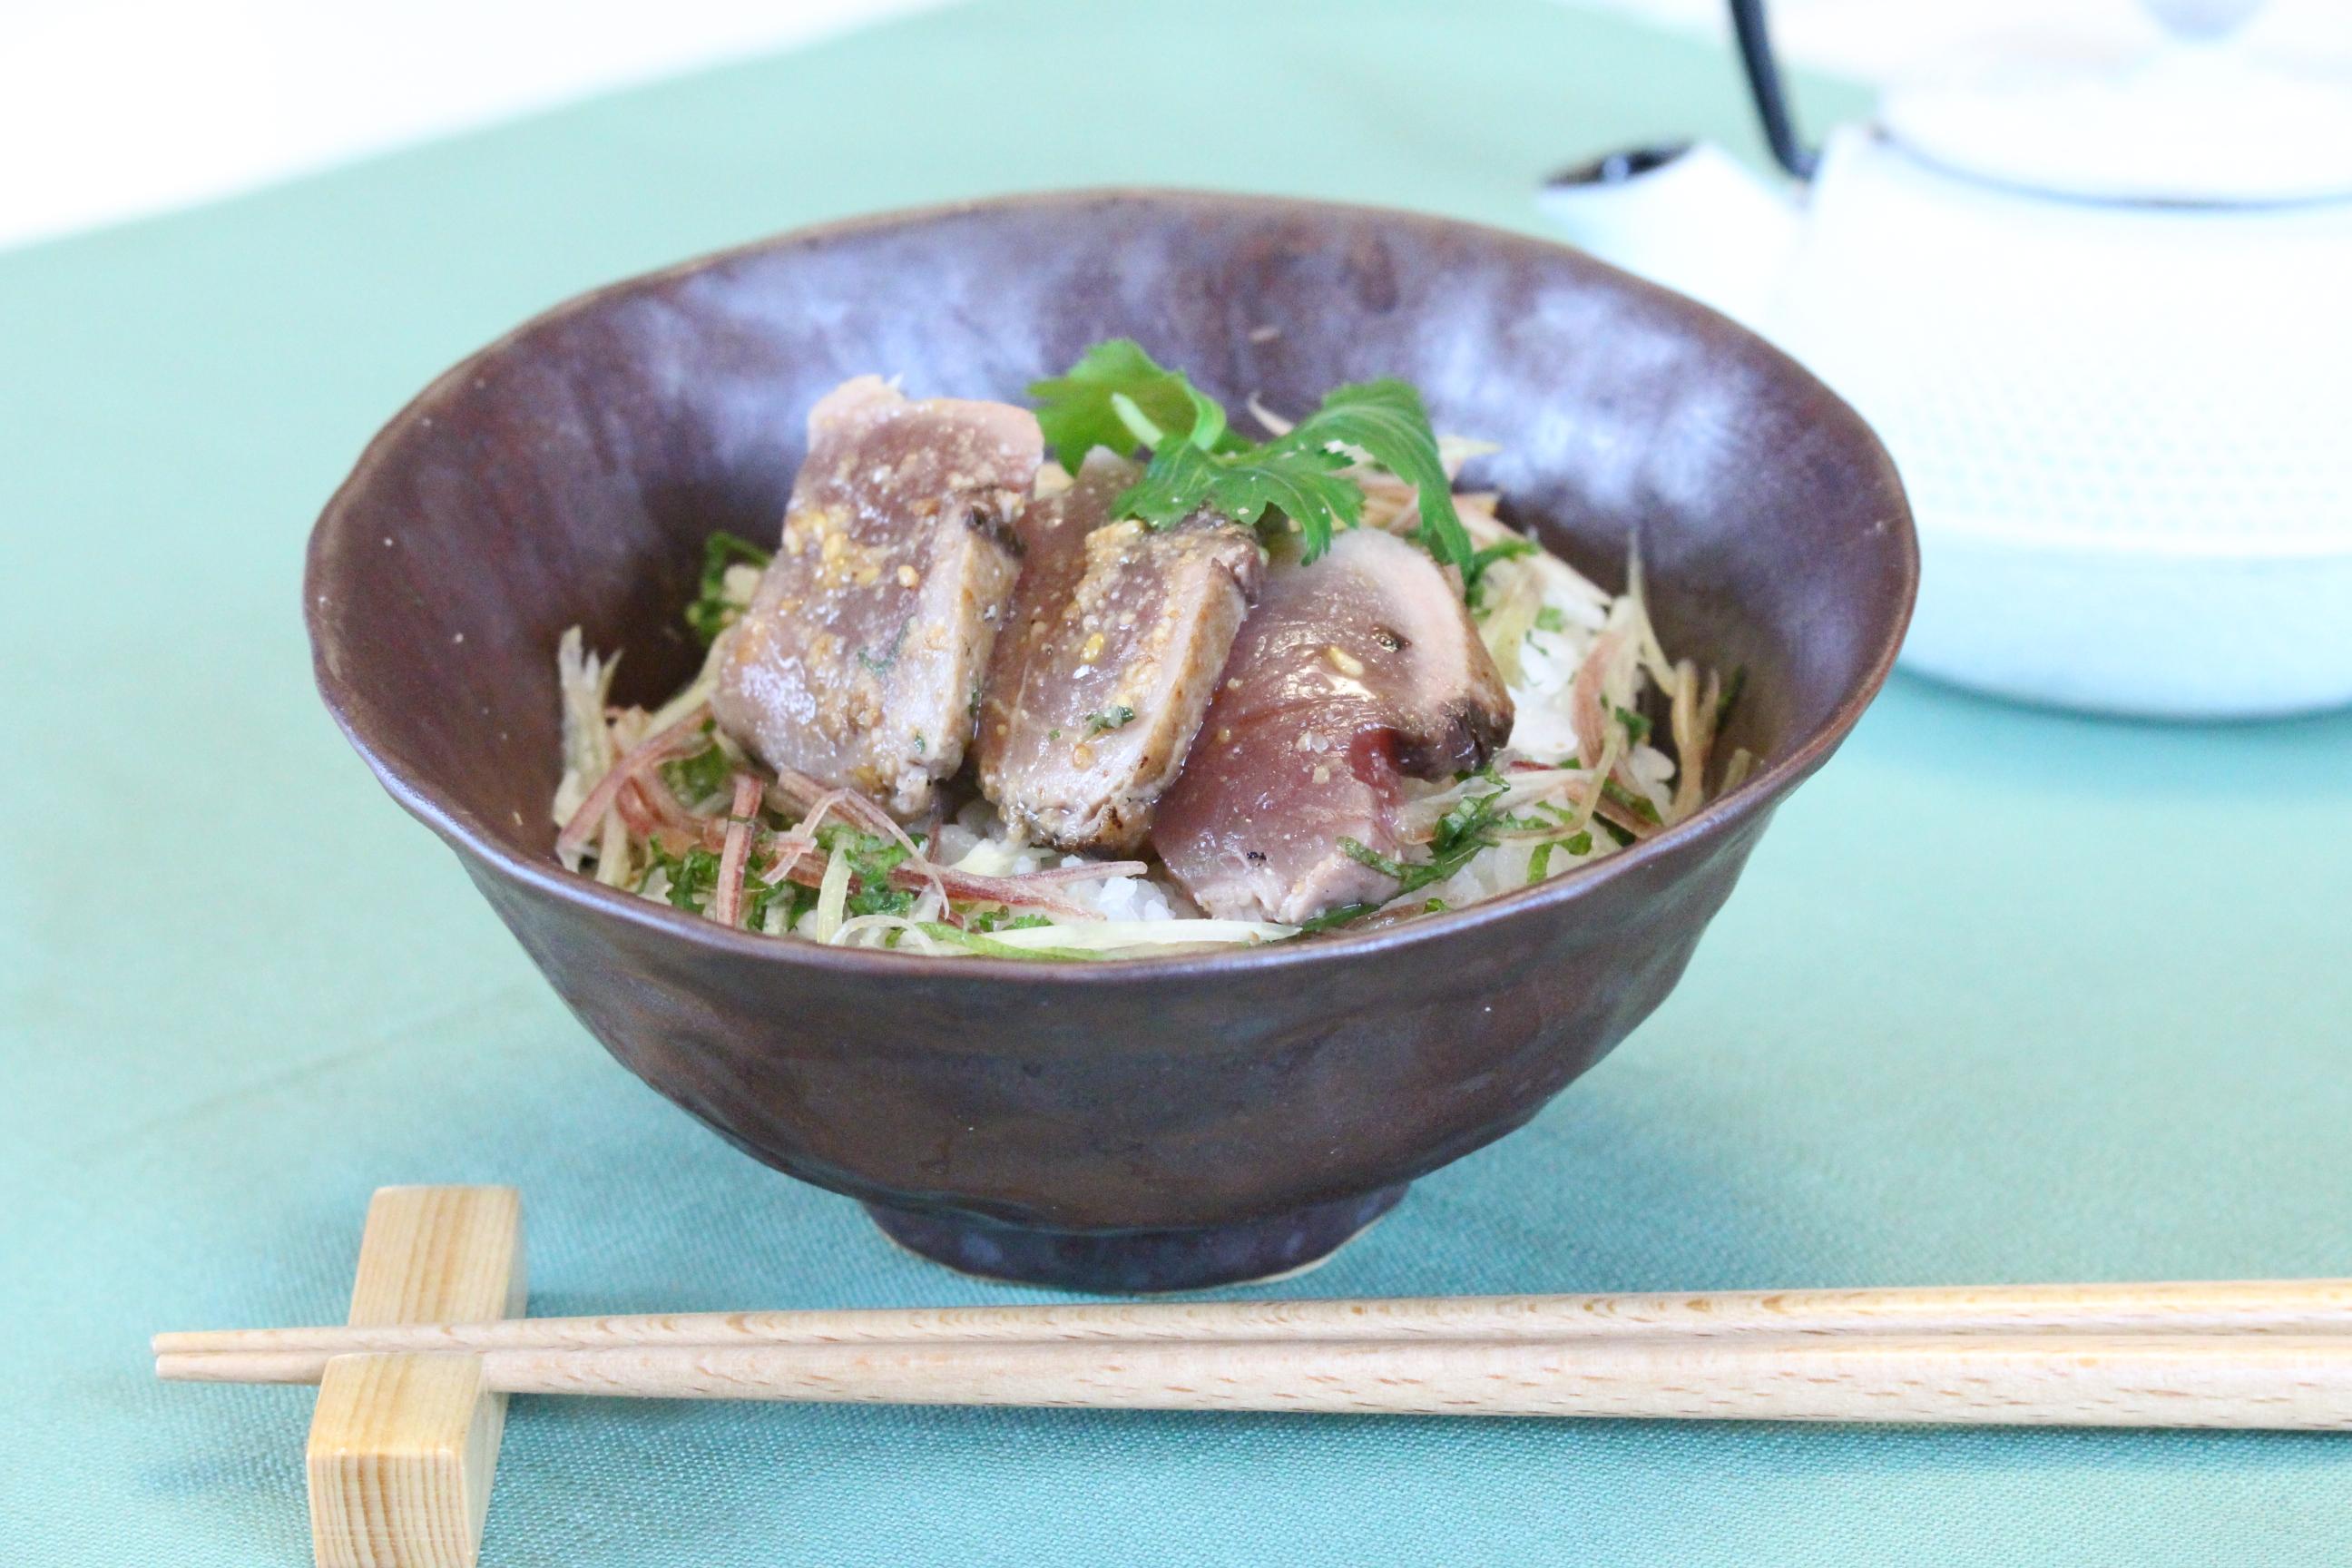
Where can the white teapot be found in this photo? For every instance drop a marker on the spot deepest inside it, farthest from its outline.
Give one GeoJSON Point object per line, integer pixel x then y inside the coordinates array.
{"type": "Point", "coordinates": [2102, 321]}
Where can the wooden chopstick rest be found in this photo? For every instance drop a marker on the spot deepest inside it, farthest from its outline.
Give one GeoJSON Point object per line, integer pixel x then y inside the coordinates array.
{"type": "Point", "coordinates": [404, 1447]}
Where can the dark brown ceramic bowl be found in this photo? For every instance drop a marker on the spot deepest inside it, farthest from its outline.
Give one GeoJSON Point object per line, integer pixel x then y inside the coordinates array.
{"type": "Point", "coordinates": [1157, 1123]}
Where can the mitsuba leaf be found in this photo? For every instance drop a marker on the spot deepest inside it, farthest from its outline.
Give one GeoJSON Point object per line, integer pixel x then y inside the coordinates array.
{"type": "Point", "coordinates": [1385, 421]}
{"type": "Point", "coordinates": [1117, 396]}
{"type": "Point", "coordinates": [1076, 412]}
{"type": "Point", "coordinates": [1305, 487]}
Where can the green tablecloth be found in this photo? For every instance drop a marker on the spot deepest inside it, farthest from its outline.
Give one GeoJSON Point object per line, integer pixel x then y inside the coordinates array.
{"type": "Point", "coordinates": [2006, 995]}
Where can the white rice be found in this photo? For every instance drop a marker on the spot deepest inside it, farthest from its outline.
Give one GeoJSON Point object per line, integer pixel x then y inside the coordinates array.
{"type": "Point", "coordinates": [979, 842]}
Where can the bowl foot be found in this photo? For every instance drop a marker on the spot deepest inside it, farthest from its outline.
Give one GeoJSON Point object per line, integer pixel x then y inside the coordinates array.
{"type": "Point", "coordinates": [1137, 1262]}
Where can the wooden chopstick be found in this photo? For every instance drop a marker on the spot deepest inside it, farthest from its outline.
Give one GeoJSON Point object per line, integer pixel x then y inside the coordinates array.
{"type": "Point", "coordinates": [2279, 1382]}
{"type": "Point", "coordinates": [2296, 1307]}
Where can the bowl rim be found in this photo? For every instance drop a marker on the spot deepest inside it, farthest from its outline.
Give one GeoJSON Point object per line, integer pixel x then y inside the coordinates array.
{"type": "Point", "coordinates": [464, 832]}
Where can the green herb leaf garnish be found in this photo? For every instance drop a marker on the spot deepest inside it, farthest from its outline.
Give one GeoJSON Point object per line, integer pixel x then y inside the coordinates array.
{"type": "Point", "coordinates": [1304, 487]}
{"type": "Point", "coordinates": [988, 947]}
{"type": "Point", "coordinates": [1077, 413]}
{"type": "Point", "coordinates": [1461, 834]}
{"type": "Point", "coordinates": [1643, 808]}
{"type": "Point", "coordinates": [889, 655]}
{"type": "Point", "coordinates": [1501, 550]}
{"type": "Point", "coordinates": [712, 610]}
{"type": "Point", "coordinates": [872, 859]}
{"type": "Point", "coordinates": [1385, 421]}
{"type": "Point", "coordinates": [759, 896]}
{"type": "Point", "coordinates": [692, 876]}
{"type": "Point", "coordinates": [996, 920]}
{"type": "Point", "coordinates": [702, 776]}
{"type": "Point", "coordinates": [1117, 396]}
{"type": "Point", "coordinates": [1109, 719]}
{"type": "Point", "coordinates": [1731, 690]}
{"type": "Point", "coordinates": [1636, 725]}
{"type": "Point", "coordinates": [1363, 854]}
{"type": "Point", "coordinates": [1331, 918]}
{"type": "Point", "coordinates": [1471, 821]}
{"type": "Point", "coordinates": [1539, 862]}
{"type": "Point", "coordinates": [1413, 875]}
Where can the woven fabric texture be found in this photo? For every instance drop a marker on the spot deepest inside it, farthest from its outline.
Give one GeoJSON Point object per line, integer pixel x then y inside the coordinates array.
{"type": "Point", "coordinates": [2005, 996]}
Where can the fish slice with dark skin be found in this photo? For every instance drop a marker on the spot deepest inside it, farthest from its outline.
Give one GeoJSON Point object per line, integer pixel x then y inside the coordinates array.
{"type": "Point", "coordinates": [1351, 674]}
{"type": "Point", "coordinates": [859, 661]}
{"type": "Point", "coordinates": [1117, 636]}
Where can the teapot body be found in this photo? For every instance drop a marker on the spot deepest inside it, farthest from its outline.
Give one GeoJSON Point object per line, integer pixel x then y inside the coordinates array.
{"type": "Point", "coordinates": [2124, 426]}
{"type": "Point", "coordinates": [2121, 425]}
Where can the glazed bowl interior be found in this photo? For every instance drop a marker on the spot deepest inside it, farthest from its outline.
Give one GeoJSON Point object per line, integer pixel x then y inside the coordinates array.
{"type": "Point", "coordinates": [1154, 1122]}
{"type": "Point", "coordinates": [569, 475]}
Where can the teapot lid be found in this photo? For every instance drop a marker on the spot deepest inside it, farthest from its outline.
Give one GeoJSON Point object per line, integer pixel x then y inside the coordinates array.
{"type": "Point", "coordinates": [2196, 124]}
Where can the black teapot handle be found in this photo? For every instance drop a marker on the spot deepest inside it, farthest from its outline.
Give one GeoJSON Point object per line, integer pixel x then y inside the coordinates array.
{"type": "Point", "coordinates": [1764, 84]}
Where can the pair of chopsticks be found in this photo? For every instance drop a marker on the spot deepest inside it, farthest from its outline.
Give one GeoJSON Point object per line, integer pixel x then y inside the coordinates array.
{"type": "Point", "coordinates": [2256, 1354]}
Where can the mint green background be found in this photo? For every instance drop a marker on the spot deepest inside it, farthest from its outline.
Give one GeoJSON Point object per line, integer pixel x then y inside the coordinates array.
{"type": "Point", "coordinates": [2006, 995]}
